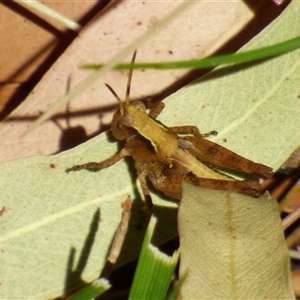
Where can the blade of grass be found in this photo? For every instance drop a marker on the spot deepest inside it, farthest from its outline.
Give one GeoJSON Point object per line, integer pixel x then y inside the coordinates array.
{"type": "Point", "coordinates": [174, 292]}
{"type": "Point", "coordinates": [211, 62]}
{"type": "Point", "coordinates": [92, 290]}
{"type": "Point", "coordinates": [154, 270]}
{"type": "Point", "coordinates": [51, 13]}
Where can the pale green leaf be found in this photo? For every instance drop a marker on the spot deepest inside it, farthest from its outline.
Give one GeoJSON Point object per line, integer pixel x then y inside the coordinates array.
{"type": "Point", "coordinates": [57, 228]}
{"type": "Point", "coordinates": [232, 246]}
{"type": "Point", "coordinates": [254, 107]}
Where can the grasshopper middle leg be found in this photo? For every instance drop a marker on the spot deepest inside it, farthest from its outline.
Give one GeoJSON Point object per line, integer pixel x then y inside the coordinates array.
{"type": "Point", "coordinates": [189, 129]}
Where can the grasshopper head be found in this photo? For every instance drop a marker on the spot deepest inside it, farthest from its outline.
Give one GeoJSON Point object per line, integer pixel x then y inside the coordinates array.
{"type": "Point", "coordinates": [119, 130]}
{"type": "Point", "coordinates": [125, 119]}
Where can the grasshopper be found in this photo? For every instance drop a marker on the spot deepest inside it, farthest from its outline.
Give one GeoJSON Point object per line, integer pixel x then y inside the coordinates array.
{"type": "Point", "coordinates": [166, 158]}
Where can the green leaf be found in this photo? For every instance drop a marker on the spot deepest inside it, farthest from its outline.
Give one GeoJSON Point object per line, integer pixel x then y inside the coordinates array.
{"type": "Point", "coordinates": [62, 223]}
{"type": "Point", "coordinates": [254, 107]}
{"type": "Point", "coordinates": [154, 271]}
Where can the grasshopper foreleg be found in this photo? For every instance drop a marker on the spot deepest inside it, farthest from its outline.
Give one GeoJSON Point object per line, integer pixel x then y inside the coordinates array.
{"type": "Point", "coordinates": [96, 166]}
{"type": "Point", "coordinates": [156, 110]}
{"type": "Point", "coordinates": [146, 192]}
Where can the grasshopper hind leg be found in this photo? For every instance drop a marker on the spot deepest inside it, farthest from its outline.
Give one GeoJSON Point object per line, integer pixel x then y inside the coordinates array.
{"type": "Point", "coordinates": [249, 187]}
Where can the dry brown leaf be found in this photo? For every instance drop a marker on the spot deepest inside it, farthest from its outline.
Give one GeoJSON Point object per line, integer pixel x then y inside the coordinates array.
{"type": "Point", "coordinates": [198, 32]}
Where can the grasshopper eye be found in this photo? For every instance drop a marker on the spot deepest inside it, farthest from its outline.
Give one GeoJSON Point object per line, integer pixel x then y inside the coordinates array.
{"type": "Point", "coordinates": [139, 105]}
{"type": "Point", "coordinates": [119, 130]}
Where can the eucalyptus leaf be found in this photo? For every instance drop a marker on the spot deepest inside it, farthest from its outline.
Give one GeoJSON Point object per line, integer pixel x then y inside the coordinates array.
{"type": "Point", "coordinates": [62, 223]}
{"type": "Point", "coordinates": [254, 107]}
{"type": "Point", "coordinates": [232, 246]}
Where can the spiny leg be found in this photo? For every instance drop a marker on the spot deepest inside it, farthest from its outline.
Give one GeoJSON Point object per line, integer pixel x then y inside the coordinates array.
{"type": "Point", "coordinates": [146, 192]}
{"type": "Point", "coordinates": [247, 187]}
{"type": "Point", "coordinates": [156, 110]}
{"type": "Point", "coordinates": [96, 166]}
{"type": "Point", "coordinates": [190, 129]}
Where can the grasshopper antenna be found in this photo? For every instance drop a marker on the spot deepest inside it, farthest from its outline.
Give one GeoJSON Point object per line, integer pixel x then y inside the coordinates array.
{"type": "Point", "coordinates": [129, 79]}
{"type": "Point", "coordinates": [127, 88]}
{"type": "Point", "coordinates": [117, 97]}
